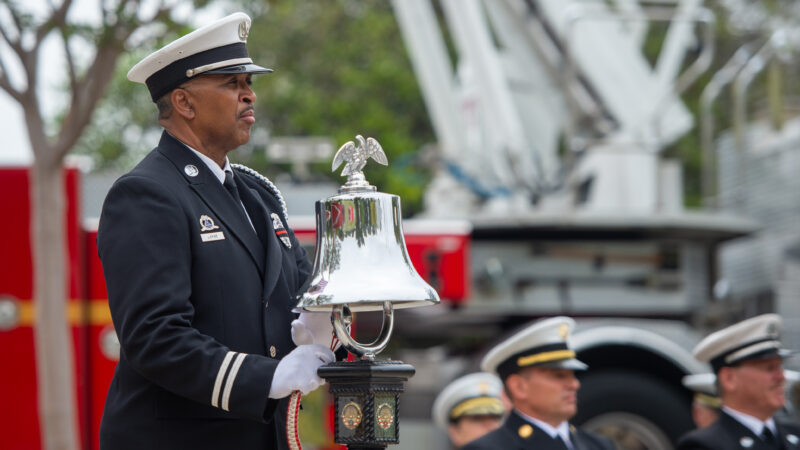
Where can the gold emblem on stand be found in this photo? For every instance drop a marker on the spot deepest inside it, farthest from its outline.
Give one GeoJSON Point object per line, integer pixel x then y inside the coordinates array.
{"type": "Point", "coordinates": [351, 415]}
{"type": "Point", "coordinates": [385, 415]}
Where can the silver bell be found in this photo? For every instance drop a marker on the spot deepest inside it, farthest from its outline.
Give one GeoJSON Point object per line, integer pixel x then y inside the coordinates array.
{"type": "Point", "coordinates": [361, 262]}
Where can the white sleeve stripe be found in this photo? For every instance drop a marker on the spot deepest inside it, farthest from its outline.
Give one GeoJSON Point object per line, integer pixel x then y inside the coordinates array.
{"type": "Point", "coordinates": [226, 394]}
{"type": "Point", "coordinates": [220, 375]}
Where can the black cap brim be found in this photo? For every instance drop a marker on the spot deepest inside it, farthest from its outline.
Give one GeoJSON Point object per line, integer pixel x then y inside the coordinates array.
{"type": "Point", "coordinates": [241, 68]}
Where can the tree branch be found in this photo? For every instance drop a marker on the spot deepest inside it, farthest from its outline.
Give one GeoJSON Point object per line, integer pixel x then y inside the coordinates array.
{"type": "Point", "coordinates": [15, 45]}
{"type": "Point", "coordinates": [5, 84]}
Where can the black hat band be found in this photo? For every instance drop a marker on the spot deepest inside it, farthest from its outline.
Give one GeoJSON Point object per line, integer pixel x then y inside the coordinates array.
{"type": "Point", "coordinates": [174, 74]}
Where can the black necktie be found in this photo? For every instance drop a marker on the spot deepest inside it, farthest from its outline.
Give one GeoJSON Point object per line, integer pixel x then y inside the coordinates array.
{"type": "Point", "coordinates": [230, 185]}
{"type": "Point", "coordinates": [561, 442]}
{"type": "Point", "coordinates": [769, 438]}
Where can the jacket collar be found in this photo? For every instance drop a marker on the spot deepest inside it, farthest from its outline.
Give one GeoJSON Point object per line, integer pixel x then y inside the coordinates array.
{"type": "Point", "coordinates": [213, 194]}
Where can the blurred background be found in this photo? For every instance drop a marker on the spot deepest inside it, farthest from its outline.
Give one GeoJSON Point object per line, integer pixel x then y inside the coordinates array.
{"type": "Point", "coordinates": [630, 163]}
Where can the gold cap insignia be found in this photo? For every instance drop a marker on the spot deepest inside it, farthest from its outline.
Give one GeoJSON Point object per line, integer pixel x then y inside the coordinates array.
{"type": "Point", "coordinates": [525, 431]}
{"type": "Point", "coordinates": [563, 331]}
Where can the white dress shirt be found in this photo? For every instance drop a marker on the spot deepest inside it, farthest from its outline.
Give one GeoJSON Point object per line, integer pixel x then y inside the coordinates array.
{"type": "Point", "coordinates": [561, 430]}
{"type": "Point", "coordinates": [220, 174]}
{"type": "Point", "coordinates": [754, 424]}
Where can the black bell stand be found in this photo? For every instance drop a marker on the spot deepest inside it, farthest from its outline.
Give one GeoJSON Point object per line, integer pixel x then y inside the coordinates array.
{"type": "Point", "coordinates": [366, 399]}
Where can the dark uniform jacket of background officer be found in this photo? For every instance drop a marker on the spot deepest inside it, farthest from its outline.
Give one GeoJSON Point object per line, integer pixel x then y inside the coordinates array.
{"type": "Point", "coordinates": [508, 437]}
{"type": "Point", "coordinates": [181, 304]}
{"type": "Point", "coordinates": [726, 433]}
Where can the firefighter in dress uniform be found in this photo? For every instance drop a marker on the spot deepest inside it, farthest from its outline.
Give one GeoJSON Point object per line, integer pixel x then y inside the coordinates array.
{"type": "Point", "coordinates": [747, 359]}
{"type": "Point", "coordinates": [706, 404]}
{"type": "Point", "coordinates": [537, 368]}
{"type": "Point", "coordinates": [202, 268]}
{"type": "Point", "coordinates": [469, 407]}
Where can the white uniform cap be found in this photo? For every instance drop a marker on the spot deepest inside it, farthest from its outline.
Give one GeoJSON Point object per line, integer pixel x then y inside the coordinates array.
{"type": "Point", "coordinates": [754, 338]}
{"type": "Point", "coordinates": [476, 394]}
{"type": "Point", "coordinates": [704, 386]}
{"type": "Point", "coordinates": [219, 47]}
{"type": "Point", "coordinates": [544, 343]}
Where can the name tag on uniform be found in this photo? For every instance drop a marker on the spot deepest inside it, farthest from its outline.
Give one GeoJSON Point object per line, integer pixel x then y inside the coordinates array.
{"type": "Point", "coordinates": [208, 237]}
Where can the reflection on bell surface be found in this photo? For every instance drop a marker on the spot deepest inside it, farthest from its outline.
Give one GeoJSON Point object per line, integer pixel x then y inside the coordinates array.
{"type": "Point", "coordinates": [361, 258]}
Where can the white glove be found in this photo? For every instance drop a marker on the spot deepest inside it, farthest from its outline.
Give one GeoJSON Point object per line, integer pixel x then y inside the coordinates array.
{"type": "Point", "coordinates": [313, 328]}
{"type": "Point", "coordinates": [297, 371]}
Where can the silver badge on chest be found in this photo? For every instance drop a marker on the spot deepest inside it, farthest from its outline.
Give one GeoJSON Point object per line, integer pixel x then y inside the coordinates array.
{"type": "Point", "coordinates": [280, 231]}
{"type": "Point", "coordinates": [746, 442]}
{"type": "Point", "coordinates": [207, 223]}
{"type": "Point", "coordinates": [191, 170]}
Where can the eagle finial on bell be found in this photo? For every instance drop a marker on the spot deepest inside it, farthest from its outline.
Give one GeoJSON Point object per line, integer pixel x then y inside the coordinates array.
{"type": "Point", "coordinates": [361, 262]}
{"type": "Point", "coordinates": [355, 158]}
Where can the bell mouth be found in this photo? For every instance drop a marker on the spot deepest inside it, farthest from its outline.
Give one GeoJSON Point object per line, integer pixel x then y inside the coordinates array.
{"type": "Point", "coordinates": [325, 305]}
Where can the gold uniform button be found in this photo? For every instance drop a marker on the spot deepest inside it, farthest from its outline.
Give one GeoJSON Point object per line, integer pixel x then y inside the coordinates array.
{"type": "Point", "coordinates": [525, 431]}
{"type": "Point", "coordinates": [272, 351]}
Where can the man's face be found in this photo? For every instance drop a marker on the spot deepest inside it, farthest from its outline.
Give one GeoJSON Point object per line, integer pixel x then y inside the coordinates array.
{"type": "Point", "coordinates": [547, 394]}
{"type": "Point", "coordinates": [223, 106]}
{"type": "Point", "coordinates": [469, 428]}
{"type": "Point", "coordinates": [754, 387]}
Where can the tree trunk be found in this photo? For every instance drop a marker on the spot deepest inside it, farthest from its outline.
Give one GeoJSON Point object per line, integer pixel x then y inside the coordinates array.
{"type": "Point", "coordinates": [53, 337]}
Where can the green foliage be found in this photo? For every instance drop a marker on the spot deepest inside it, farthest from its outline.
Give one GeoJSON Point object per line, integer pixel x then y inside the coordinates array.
{"type": "Point", "coordinates": [340, 70]}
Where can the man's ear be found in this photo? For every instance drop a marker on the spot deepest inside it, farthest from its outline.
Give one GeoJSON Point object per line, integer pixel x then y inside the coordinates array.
{"type": "Point", "coordinates": [517, 386]}
{"type": "Point", "coordinates": [726, 377]}
{"type": "Point", "coordinates": [182, 103]}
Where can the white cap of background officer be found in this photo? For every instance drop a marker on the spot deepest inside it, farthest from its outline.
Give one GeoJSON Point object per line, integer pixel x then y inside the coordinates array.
{"type": "Point", "coordinates": [544, 344]}
{"type": "Point", "coordinates": [751, 339]}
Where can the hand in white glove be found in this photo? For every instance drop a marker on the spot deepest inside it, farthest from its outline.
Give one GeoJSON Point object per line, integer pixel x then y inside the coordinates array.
{"type": "Point", "coordinates": [313, 328]}
{"type": "Point", "coordinates": [297, 371]}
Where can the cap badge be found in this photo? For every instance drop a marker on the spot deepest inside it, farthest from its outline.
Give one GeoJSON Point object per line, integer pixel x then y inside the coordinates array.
{"type": "Point", "coordinates": [385, 416]}
{"type": "Point", "coordinates": [525, 431]}
{"type": "Point", "coordinates": [351, 415]}
{"type": "Point", "coordinates": [772, 329]}
{"type": "Point", "coordinates": [483, 387]}
{"type": "Point", "coordinates": [207, 223]}
{"type": "Point", "coordinates": [244, 30]}
{"type": "Point", "coordinates": [746, 442]}
{"type": "Point", "coordinates": [563, 331]}
{"type": "Point", "coordinates": [191, 170]}
{"type": "Point", "coordinates": [280, 231]}
{"type": "Point", "coordinates": [793, 439]}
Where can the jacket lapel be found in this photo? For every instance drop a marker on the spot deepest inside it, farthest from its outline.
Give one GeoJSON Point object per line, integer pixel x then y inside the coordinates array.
{"type": "Point", "coordinates": [529, 436]}
{"type": "Point", "coordinates": [214, 195]}
{"type": "Point", "coordinates": [743, 436]}
{"type": "Point", "coordinates": [273, 250]}
{"type": "Point", "coordinates": [789, 439]}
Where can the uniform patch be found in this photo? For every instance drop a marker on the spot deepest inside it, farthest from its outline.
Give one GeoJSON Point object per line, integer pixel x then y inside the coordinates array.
{"type": "Point", "coordinates": [280, 231]}
{"type": "Point", "coordinates": [746, 442]}
{"type": "Point", "coordinates": [215, 236]}
{"type": "Point", "coordinates": [792, 439]}
{"type": "Point", "coordinates": [207, 223]}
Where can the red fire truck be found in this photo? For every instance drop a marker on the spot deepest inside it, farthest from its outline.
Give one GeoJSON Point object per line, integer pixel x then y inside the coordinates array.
{"type": "Point", "coordinates": [441, 258]}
